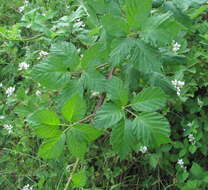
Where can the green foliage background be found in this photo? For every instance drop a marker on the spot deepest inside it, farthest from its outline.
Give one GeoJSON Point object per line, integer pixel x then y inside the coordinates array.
{"type": "Point", "coordinates": [97, 108]}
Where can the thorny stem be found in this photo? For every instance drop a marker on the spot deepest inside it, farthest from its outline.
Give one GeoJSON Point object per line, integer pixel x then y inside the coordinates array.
{"type": "Point", "coordinates": [73, 171]}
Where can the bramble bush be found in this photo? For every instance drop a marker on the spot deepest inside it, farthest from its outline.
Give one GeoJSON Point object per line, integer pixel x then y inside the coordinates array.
{"type": "Point", "coordinates": [103, 94]}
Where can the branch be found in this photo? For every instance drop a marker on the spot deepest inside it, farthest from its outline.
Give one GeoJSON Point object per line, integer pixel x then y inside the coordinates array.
{"type": "Point", "coordinates": [70, 177]}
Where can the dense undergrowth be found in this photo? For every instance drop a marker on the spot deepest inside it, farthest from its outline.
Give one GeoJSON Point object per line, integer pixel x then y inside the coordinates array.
{"type": "Point", "coordinates": [103, 94]}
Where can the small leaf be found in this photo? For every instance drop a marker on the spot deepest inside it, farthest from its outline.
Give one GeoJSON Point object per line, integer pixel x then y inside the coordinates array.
{"type": "Point", "coordinates": [79, 137]}
{"type": "Point", "coordinates": [45, 123]}
{"type": "Point", "coordinates": [53, 72]}
{"type": "Point", "coordinates": [74, 109]}
{"type": "Point", "coordinates": [95, 81]}
{"type": "Point", "coordinates": [52, 147]}
{"type": "Point", "coordinates": [159, 80]}
{"type": "Point", "coordinates": [108, 115]}
{"type": "Point", "coordinates": [123, 139]}
{"type": "Point", "coordinates": [118, 93]}
{"type": "Point", "coordinates": [150, 99]}
{"type": "Point", "coordinates": [115, 25]}
{"type": "Point", "coordinates": [79, 179]}
{"type": "Point", "coordinates": [146, 58]}
{"type": "Point", "coordinates": [156, 28]}
{"type": "Point", "coordinates": [137, 11]}
{"type": "Point", "coordinates": [152, 129]}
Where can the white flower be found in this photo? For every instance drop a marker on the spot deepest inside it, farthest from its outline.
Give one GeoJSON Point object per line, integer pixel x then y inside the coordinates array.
{"type": "Point", "coordinates": [23, 66]}
{"type": "Point", "coordinates": [1, 85]}
{"type": "Point", "coordinates": [10, 91]}
{"type": "Point", "coordinates": [180, 162]}
{"type": "Point", "coordinates": [178, 85]}
{"type": "Point", "coordinates": [8, 128]}
{"type": "Point", "coordinates": [191, 139]}
{"type": "Point", "coordinates": [43, 53]}
{"type": "Point", "coordinates": [78, 20]}
{"type": "Point", "coordinates": [27, 187]}
{"type": "Point", "coordinates": [38, 93]}
{"type": "Point", "coordinates": [94, 94]}
{"type": "Point", "coordinates": [143, 149]}
{"type": "Point", "coordinates": [2, 117]}
{"type": "Point", "coordinates": [26, 2]}
{"type": "Point", "coordinates": [175, 46]}
{"type": "Point", "coordinates": [21, 9]}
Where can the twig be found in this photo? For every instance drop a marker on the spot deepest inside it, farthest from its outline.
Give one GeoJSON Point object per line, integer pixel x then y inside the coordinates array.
{"type": "Point", "coordinates": [103, 95]}
{"type": "Point", "coordinates": [71, 175]}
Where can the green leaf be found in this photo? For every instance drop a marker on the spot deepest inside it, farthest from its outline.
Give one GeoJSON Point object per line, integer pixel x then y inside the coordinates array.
{"type": "Point", "coordinates": [52, 147]}
{"type": "Point", "coordinates": [137, 12]}
{"type": "Point", "coordinates": [149, 100]}
{"type": "Point", "coordinates": [95, 81]}
{"type": "Point", "coordinates": [123, 139]}
{"type": "Point", "coordinates": [53, 72]}
{"type": "Point", "coordinates": [159, 80]}
{"type": "Point", "coordinates": [94, 55]}
{"type": "Point", "coordinates": [74, 109]}
{"type": "Point", "coordinates": [108, 115]}
{"type": "Point", "coordinates": [152, 129]}
{"type": "Point", "coordinates": [118, 93]}
{"type": "Point", "coordinates": [146, 58]}
{"type": "Point", "coordinates": [197, 171]}
{"type": "Point", "coordinates": [156, 29]}
{"type": "Point", "coordinates": [79, 137]}
{"type": "Point", "coordinates": [121, 49]}
{"type": "Point", "coordinates": [45, 123]}
{"type": "Point", "coordinates": [79, 179]}
{"type": "Point", "coordinates": [114, 25]}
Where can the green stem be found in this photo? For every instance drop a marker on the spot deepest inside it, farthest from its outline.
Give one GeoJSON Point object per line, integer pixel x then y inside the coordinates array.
{"type": "Point", "coordinates": [71, 175]}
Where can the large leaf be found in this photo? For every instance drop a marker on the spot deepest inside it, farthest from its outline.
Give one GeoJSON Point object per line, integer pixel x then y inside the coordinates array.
{"type": "Point", "coordinates": [108, 115]}
{"type": "Point", "coordinates": [118, 93]}
{"type": "Point", "coordinates": [156, 29]}
{"type": "Point", "coordinates": [45, 123]}
{"type": "Point", "coordinates": [79, 137]}
{"type": "Point", "coordinates": [53, 72]}
{"type": "Point", "coordinates": [123, 139]}
{"type": "Point", "coordinates": [74, 109]}
{"type": "Point", "coordinates": [114, 25]}
{"type": "Point", "coordinates": [152, 129]}
{"type": "Point", "coordinates": [52, 147]}
{"type": "Point", "coordinates": [150, 99]}
{"type": "Point", "coordinates": [137, 11]}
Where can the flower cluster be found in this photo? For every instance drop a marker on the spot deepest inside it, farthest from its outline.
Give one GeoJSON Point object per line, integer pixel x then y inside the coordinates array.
{"type": "Point", "coordinates": [42, 54]}
{"type": "Point", "coordinates": [10, 91]}
{"type": "Point", "coordinates": [1, 85]}
{"type": "Point", "coordinates": [143, 149]}
{"type": "Point", "coordinates": [8, 128]}
{"type": "Point", "coordinates": [175, 46]}
{"type": "Point", "coordinates": [191, 139]}
{"type": "Point", "coordinates": [27, 187]}
{"type": "Point", "coordinates": [23, 66]}
{"type": "Point", "coordinates": [178, 85]}
{"type": "Point", "coordinates": [180, 162]}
